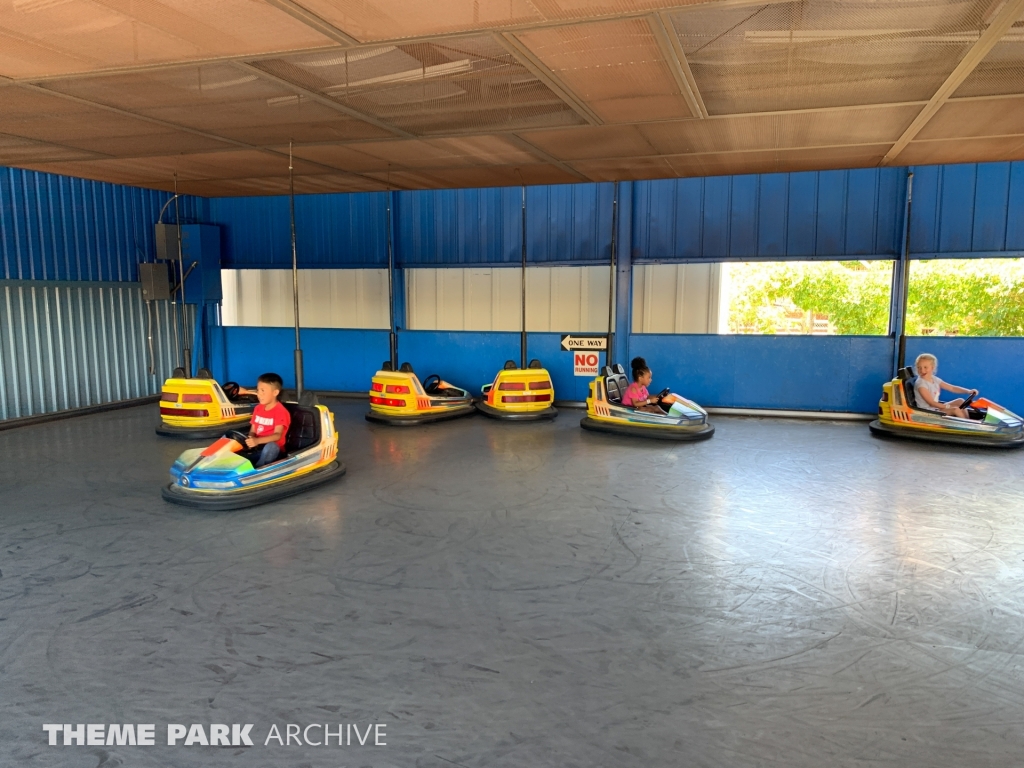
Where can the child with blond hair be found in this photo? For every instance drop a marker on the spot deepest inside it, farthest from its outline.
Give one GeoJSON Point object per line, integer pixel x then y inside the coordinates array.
{"type": "Point", "coordinates": [927, 387]}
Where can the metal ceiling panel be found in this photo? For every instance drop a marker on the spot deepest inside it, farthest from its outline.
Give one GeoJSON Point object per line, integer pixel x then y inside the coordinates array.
{"type": "Point", "coordinates": [976, 118]}
{"type": "Point", "coordinates": [52, 38]}
{"type": "Point", "coordinates": [616, 67]}
{"type": "Point", "coordinates": [464, 85]}
{"type": "Point", "coordinates": [1001, 72]}
{"type": "Point", "coordinates": [963, 150]}
{"type": "Point", "coordinates": [220, 99]}
{"type": "Point", "coordinates": [825, 53]}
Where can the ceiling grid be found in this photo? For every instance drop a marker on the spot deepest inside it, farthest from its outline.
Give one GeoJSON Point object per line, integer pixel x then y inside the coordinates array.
{"type": "Point", "coordinates": [457, 93]}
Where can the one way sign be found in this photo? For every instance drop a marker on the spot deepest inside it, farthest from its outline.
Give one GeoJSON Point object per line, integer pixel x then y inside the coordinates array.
{"type": "Point", "coordinates": [572, 343]}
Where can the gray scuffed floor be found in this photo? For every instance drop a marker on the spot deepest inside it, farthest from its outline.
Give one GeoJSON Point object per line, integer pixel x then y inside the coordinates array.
{"type": "Point", "coordinates": [785, 594]}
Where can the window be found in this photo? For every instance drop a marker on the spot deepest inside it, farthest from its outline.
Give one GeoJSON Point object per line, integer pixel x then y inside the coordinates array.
{"type": "Point", "coordinates": [560, 299]}
{"type": "Point", "coordinates": [786, 297]}
{"type": "Point", "coordinates": [966, 297]}
{"type": "Point", "coordinates": [328, 298]}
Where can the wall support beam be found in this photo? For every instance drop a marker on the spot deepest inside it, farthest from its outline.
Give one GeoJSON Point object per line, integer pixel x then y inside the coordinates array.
{"type": "Point", "coordinates": [1001, 23]}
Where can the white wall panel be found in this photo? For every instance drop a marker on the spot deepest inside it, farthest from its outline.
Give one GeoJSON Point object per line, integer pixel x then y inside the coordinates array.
{"type": "Point", "coordinates": [678, 298]}
{"type": "Point", "coordinates": [328, 298]}
{"type": "Point", "coordinates": [562, 299]}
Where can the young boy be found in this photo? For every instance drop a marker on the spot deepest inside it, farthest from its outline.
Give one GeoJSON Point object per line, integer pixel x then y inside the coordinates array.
{"type": "Point", "coordinates": [928, 385]}
{"type": "Point", "coordinates": [270, 420]}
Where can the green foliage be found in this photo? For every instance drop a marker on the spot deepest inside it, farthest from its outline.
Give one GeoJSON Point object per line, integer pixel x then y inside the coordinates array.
{"type": "Point", "coordinates": [973, 297]}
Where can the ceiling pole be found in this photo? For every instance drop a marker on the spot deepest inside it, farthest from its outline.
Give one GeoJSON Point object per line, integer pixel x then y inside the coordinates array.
{"type": "Point", "coordinates": [295, 274]}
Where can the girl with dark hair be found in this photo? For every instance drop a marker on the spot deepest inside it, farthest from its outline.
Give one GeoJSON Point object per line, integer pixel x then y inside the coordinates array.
{"type": "Point", "coordinates": [636, 394]}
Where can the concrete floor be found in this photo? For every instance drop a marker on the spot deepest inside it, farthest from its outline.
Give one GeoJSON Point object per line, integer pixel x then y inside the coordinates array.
{"type": "Point", "coordinates": [785, 594]}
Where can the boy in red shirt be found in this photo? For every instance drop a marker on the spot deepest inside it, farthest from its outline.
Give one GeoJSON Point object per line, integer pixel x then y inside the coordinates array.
{"type": "Point", "coordinates": [269, 424]}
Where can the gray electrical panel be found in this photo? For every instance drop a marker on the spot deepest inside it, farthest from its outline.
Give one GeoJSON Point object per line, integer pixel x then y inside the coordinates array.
{"type": "Point", "coordinates": [155, 284]}
{"type": "Point", "coordinates": [166, 242]}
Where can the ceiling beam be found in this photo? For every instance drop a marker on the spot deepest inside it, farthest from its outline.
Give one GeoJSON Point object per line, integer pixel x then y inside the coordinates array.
{"type": "Point", "coordinates": [538, 69]}
{"type": "Point", "coordinates": [321, 99]}
{"type": "Point", "coordinates": [313, 21]}
{"type": "Point", "coordinates": [672, 50]}
{"type": "Point", "coordinates": [1001, 23]}
{"type": "Point", "coordinates": [539, 153]}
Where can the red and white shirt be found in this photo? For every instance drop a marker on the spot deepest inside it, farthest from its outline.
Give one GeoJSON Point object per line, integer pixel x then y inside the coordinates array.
{"type": "Point", "coordinates": [264, 421]}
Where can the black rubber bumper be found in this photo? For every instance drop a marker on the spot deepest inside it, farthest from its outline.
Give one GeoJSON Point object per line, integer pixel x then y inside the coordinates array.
{"type": "Point", "coordinates": [203, 433]}
{"type": "Point", "coordinates": [496, 413]}
{"type": "Point", "coordinates": [427, 418]}
{"type": "Point", "coordinates": [223, 501]}
{"type": "Point", "coordinates": [678, 434]}
{"type": "Point", "coordinates": [878, 429]}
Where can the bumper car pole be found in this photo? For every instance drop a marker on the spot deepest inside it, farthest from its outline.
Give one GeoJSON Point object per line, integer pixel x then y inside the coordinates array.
{"type": "Point", "coordinates": [295, 274]}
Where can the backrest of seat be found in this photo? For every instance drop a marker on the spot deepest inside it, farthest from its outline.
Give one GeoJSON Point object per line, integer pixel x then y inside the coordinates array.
{"type": "Point", "coordinates": [406, 368]}
{"type": "Point", "coordinates": [510, 365]}
{"type": "Point", "coordinates": [178, 373]}
{"type": "Point", "coordinates": [908, 391]}
{"type": "Point", "coordinates": [305, 428]}
{"type": "Point", "coordinates": [535, 363]}
{"type": "Point", "coordinates": [607, 371]}
{"type": "Point", "coordinates": [619, 369]}
{"type": "Point", "coordinates": [387, 366]}
{"type": "Point", "coordinates": [204, 373]}
{"type": "Point", "coordinates": [615, 385]}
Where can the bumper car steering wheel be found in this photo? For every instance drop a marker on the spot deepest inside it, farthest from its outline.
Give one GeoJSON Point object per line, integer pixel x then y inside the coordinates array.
{"type": "Point", "coordinates": [238, 436]}
{"type": "Point", "coordinates": [431, 384]}
{"type": "Point", "coordinates": [968, 400]}
{"type": "Point", "coordinates": [231, 389]}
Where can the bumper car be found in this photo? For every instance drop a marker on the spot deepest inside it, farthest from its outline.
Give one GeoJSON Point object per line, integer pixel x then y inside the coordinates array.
{"type": "Point", "coordinates": [397, 398]}
{"type": "Point", "coordinates": [685, 420]}
{"type": "Point", "coordinates": [989, 424]}
{"type": "Point", "coordinates": [518, 394]}
{"type": "Point", "coordinates": [200, 408]}
{"type": "Point", "coordinates": [222, 477]}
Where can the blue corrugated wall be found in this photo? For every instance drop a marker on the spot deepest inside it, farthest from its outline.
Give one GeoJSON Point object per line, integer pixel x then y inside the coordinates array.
{"type": "Point", "coordinates": [62, 228]}
{"type": "Point", "coordinates": [56, 228]}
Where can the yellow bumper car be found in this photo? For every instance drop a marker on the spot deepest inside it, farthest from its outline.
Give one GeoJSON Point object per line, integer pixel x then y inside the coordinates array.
{"type": "Point", "coordinates": [399, 399]}
{"type": "Point", "coordinates": [989, 424]}
{"type": "Point", "coordinates": [518, 394]}
{"type": "Point", "coordinates": [200, 408]}
{"type": "Point", "coordinates": [684, 420]}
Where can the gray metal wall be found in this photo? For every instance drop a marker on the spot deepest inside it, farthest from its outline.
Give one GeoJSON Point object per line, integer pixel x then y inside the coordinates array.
{"type": "Point", "coordinates": [77, 344]}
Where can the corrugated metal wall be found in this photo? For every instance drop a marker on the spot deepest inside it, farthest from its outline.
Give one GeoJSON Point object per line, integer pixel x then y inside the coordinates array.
{"type": "Point", "coordinates": [826, 214]}
{"type": "Point", "coordinates": [76, 345]}
{"type": "Point", "coordinates": [73, 326]}
{"type": "Point", "coordinates": [344, 230]}
{"type": "Point", "coordinates": [964, 210]}
{"type": "Point", "coordinates": [61, 228]}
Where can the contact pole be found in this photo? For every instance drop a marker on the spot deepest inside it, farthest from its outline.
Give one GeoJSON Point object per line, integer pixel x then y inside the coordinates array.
{"type": "Point", "coordinates": [522, 294]}
{"type": "Point", "coordinates": [611, 276]}
{"type": "Point", "coordinates": [186, 346]}
{"type": "Point", "coordinates": [295, 273]}
{"type": "Point", "coordinates": [903, 293]}
{"type": "Point", "coordinates": [392, 336]}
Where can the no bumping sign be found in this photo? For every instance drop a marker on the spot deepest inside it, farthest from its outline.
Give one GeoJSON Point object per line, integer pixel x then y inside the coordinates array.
{"type": "Point", "coordinates": [584, 363]}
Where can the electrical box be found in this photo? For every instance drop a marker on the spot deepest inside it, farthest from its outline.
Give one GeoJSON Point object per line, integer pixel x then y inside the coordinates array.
{"type": "Point", "coordinates": [200, 259]}
{"type": "Point", "coordinates": [155, 284]}
{"type": "Point", "coordinates": [166, 242]}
